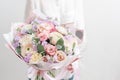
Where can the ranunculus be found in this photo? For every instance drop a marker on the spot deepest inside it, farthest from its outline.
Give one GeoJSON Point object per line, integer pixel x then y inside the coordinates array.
{"type": "Point", "coordinates": [43, 36]}
{"type": "Point", "coordinates": [50, 49]}
{"type": "Point", "coordinates": [35, 58]}
{"type": "Point", "coordinates": [59, 56]}
{"type": "Point", "coordinates": [54, 37]}
{"type": "Point", "coordinates": [62, 30]}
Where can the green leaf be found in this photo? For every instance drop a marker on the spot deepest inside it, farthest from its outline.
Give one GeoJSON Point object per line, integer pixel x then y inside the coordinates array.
{"type": "Point", "coordinates": [74, 45]}
{"type": "Point", "coordinates": [18, 49]}
{"type": "Point", "coordinates": [51, 73]}
{"type": "Point", "coordinates": [40, 49]}
{"type": "Point", "coordinates": [60, 44]}
{"type": "Point", "coordinates": [36, 40]}
{"type": "Point", "coordinates": [42, 78]}
{"type": "Point", "coordinates": [30, 31]}
{"type": "Point", "coordinates": [37, 78]}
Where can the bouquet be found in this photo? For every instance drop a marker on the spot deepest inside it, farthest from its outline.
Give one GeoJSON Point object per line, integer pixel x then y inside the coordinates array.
{"type": "Point", "coordinates": [49, 49]}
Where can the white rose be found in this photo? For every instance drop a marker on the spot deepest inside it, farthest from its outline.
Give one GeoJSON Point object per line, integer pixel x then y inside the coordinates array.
{"type": "Point", "coordinates": [35, 58]}
{"type": "Point", "coordinates": [54, 37]}
{"type": "Point", "coordinates": [27, 39]}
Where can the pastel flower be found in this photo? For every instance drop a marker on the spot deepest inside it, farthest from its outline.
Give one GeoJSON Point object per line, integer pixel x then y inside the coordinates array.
{"type": "Point", "coordinates": [23, 32]}
{"type": "Point", "coordinates": [44, 43]}
{"type": "Point", "coordinates": [34, 47]}
{"type": "Point", "coordinates": [43, 36]}
{"type": "Point", "coordinates": [48, 26]}
{"type": "Point", "coordinates": [17, 38]}
{"type": "Point", "coordinates": [27, 58]}
{"type": "Point", "coordinates": [34, 28]}
{"type": "Point", "coordinates": [54, 37]}
{"type": "Point", "coordinates": [59, 56]}
{"type": "Point", "coordinates": [40, 29]}
{"type": "Point", "coordinates": [45, 59]}
{"type": "Point", "coordinates": [35, 58]}
{"type": "Point", "coordinates": [26, 49]}
{"type": "Point", "coordinates": [15, 44]}
{"type": "Point", "coordinates": [50, 49]}
{"type": "Point", "coordinates": [27, 39]}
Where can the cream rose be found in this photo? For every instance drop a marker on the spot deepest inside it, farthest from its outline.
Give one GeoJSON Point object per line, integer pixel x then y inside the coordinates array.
{"type": "Point", "coordinates": [54, 37]}
{"type": "Point", "coordinates": [27, 39]}
{"type": "Point", "coordinates": [35, 58]}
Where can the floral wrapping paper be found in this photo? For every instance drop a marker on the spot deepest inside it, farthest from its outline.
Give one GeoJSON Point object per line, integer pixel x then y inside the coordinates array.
{"type": "Point", "coordinates": [50, 50]}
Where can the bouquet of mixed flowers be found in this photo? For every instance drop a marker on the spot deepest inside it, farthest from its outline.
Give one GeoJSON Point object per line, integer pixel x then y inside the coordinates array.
{"type": "Point", "coordinates": [49, 49]}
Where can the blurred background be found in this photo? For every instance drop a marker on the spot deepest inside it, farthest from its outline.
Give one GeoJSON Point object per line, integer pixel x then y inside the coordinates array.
{"type": "Point", "coordinates": [101, 57]}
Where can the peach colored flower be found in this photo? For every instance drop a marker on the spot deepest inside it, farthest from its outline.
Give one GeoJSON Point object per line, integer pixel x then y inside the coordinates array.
{"type": "Point", "coordinates": [59, 56]}
{"type": "Point", "coordinates": [46, 26]}
{"type": "Point", "coordinates": [50, 49]}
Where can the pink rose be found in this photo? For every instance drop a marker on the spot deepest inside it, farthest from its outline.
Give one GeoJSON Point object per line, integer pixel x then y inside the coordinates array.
{"type": "Point", "coordinates": [43, 36]}
{"type": "Point", "coordinates": [50, 49]}
{"type": "Point", "coordinates": [40, 29]}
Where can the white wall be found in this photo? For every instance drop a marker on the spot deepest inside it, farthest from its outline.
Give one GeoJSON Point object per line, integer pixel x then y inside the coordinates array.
{"type": "Point", "coordinates": [101, 59]}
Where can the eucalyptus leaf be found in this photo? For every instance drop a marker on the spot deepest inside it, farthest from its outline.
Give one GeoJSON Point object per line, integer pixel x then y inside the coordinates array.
{"type": "Point", "coordinates": [60, 42]}
{"type": "Point", "coordinates": [40, 49]}
{"type": "Point", "coordinates": [36, 40]}
{"type": "Point", "coordinates": [74, 45]}
{"type": "Point", "coordinates": [18, 49]}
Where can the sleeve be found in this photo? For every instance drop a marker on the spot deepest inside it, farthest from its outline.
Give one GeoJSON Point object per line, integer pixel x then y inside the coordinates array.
{"type": "Point", "coordinates": [67, 11]}
{"type": "Point", "coordinates": [79, 15]}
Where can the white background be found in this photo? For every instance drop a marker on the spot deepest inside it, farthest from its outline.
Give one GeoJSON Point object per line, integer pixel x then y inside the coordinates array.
{"type": "Point", "coordinates": [101, 59]}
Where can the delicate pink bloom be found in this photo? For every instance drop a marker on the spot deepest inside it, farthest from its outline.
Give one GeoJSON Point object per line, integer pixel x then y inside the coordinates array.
{"type": "Point", "coordinates": [40, 29]}
{"type": "Point", "coordinates": [50, 49]}
{"type": "Point", "coordinates": [43, 36]}
{"type": "Point", "coordinates": [48, 26]}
